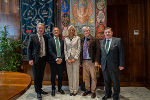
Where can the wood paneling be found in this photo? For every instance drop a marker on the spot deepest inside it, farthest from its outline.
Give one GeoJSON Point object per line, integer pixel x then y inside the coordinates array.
{"type": "Point", "coordinates": [123, 2]}
{"type": "Point", "coordinates": [136, 21]}
{"type": "Point", "coordinates": [10, 15]}
{"type": "Point", "coordinates": [117, 16]}
{"type": "Point", "coordinates": [147, 3]}
{"type": "Point", "coordinates": [125, 17]}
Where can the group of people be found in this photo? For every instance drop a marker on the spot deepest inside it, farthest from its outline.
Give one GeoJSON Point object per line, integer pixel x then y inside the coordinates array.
{"type": "Point", "coordinates": [74, 51]}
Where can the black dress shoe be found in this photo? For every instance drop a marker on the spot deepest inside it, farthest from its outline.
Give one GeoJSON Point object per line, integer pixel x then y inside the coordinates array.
{"type": "Point", "coordinates": [43, 92]}
{"type": "Point", "coordinates": [71, 94]}
{"type": "Point", "coordinates": [74, 94]}
{"type": "Point", "coordinates": [39, 97]}
{"type": "Point", "coordinates": [53, 93]}
{"type": "Point", "coordinates": [115, 98]}
{"type": "Point", "coordinates": [106, 97]}
{"type": "Point", "coordinates": [85, 93]}
{"type": "Point", "coordinates": [61, 91]}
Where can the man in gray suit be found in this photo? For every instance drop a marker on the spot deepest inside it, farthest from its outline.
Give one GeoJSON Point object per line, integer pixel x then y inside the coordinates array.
{"type": "Point", "coordinates": [112, 61]}
{"type": "Point", "coordinates": [37, 48]}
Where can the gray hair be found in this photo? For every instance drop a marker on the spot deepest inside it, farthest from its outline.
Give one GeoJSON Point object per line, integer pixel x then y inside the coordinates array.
{"type": "Point", "coordinates": [71, 26]}
{"type": "Point", "coordinates": [85, 27]}
{"type": "Point", "coordinates": [40, 24]}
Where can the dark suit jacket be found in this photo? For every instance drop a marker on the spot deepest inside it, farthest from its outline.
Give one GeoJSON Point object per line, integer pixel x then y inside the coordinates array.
{"type": "Point", "coordinates": [34, 47]}
{"type": "Point", "coordinates": [93, 46]}
{"type": "Point", "coordinates": [115, 56]}
{"type": "Point", "coordinates": [52, 53]}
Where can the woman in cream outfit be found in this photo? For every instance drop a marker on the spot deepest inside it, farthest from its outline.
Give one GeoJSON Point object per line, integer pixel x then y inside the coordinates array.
{"type": "Point", "coordinates": [72, 52]}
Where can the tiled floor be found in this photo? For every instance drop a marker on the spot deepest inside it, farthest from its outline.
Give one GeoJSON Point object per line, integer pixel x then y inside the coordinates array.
{"type": "Point", "coordinates": [127, 93]}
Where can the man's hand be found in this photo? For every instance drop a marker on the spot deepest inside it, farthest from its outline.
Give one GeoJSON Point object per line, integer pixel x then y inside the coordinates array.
{"type": "Point", "coordinates": [81, 65]}
{"type": "Point", "coordinates": [100, 66]}
{"type": "Point", "coordinates": [121, 68]}
{"type": "Point", "coordinates": [31, 62]}
{"type": "Point", "coordinates": [59, 61]}
{"type": "Point", "coordinates": [96, 63]}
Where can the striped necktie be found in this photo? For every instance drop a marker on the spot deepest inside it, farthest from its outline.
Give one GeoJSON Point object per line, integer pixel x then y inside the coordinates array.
{"type": "Point", "coordinates": [41, 44]}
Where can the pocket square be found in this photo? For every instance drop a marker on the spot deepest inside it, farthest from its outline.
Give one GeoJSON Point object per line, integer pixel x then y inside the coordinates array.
{"type": "Point", "coordinates": [115, 45]}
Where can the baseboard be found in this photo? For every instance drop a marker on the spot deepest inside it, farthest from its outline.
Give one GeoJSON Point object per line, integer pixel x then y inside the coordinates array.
{"type": "Point", "coordinates": [148, 85]}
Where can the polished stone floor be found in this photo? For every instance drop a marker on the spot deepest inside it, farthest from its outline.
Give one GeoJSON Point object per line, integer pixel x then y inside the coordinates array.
{"type": "Point", "coordinates": [127, 93]}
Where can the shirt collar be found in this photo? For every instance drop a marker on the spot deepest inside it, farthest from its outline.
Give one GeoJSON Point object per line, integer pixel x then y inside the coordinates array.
{"type": "Point", "coordinates": [109, 39]}
{"type": "Point", "coordinates": [87, 38]}
{"type": "Point", "coordinates": [55, 37]}
{"type": "Point", "coordinates": [39, 35]}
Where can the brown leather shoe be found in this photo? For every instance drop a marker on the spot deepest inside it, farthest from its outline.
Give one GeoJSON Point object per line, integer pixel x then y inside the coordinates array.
{"type": "Point", "coordinates": [93, 95]}
{"type": "Point", "coordinates": [85, 93]}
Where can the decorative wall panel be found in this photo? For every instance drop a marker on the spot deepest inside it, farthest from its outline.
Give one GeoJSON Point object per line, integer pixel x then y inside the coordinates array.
{"type": "Point", "coordinates": [100, 18]}
{"type": "Point", "coordinates": [33, 12]}
{"type": "Point", "coordinates": [65, 16]}
{"type": "Point", "coordinates": [82, 13]}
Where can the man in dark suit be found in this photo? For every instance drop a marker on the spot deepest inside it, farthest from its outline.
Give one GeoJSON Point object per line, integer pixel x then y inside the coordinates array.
{"type": "Point", "coordinates": [37, 48]}
{"type": "Point", "coordinates": [112, 61]}
{"type": "Point", "coordinates": [56, 59]}
{"type": "Point", "coordinates": [88, 60]}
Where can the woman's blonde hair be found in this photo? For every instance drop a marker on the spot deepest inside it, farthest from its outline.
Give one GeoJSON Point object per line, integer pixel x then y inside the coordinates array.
{"type": "Point", "coordinates": [75, 32]}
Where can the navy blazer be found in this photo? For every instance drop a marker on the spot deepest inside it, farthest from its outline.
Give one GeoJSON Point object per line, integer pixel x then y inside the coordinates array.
{"type": "Point", "coordinates": [52, 53]}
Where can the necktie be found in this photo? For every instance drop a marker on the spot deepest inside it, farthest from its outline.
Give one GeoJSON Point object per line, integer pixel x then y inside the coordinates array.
{"type": "Point", "coordinates": [58, 48]}
{"type": "Point", "coordinates": [85, 49]}
{"type": "Point", "coordinates": [107, 46]}
{"type": "Point", "coordinates": [41, 43]}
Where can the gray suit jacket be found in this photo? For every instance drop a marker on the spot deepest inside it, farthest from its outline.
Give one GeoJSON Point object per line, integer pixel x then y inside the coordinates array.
{"type": "Point", "coordinates": [115, 56]}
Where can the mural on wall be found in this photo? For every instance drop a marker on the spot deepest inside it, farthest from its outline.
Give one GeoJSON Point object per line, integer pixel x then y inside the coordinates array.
{"type": "Point", "coordinates": [82, 13]}
{"type": "Point", "coordinates": [65, 16]}
{"type": "Point", "coordinates": [33, 12]}
{"type": "Point", "coordinates": [79, 13]}
{"type": "Point", "coordinates": [100, 18]}
{"type": "Point", "coordinates": [90, 13]}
